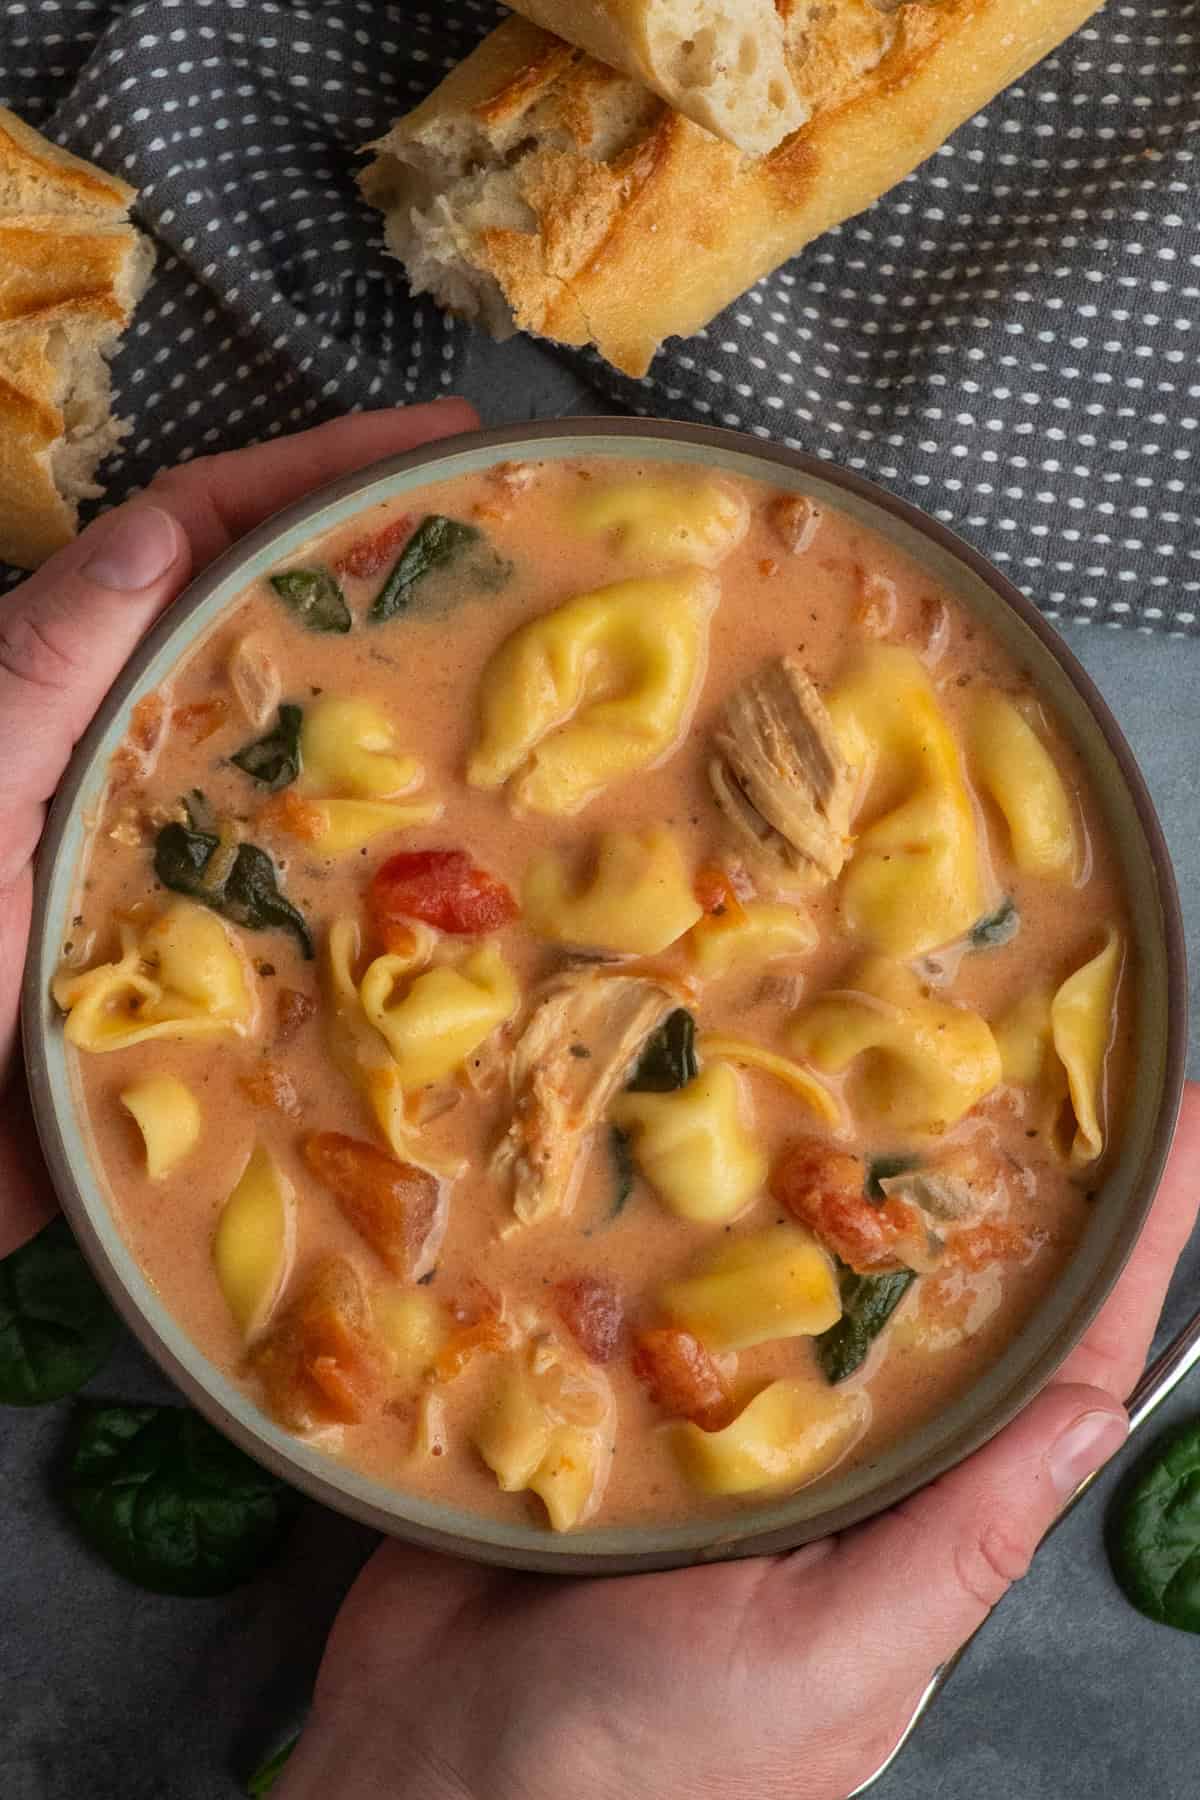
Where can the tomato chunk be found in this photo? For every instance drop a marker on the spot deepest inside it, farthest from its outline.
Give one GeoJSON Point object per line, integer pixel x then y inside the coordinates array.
{"type": "Point", "coordinates": [292, 1010]}
{"type": "Point", "coordinates": [200, 718]}
{"type": "Point", "coordinates": [823, 1188]}
{"type": "Point", "coordinates": [289, 812]}
{"type": "Point", "coordinates": [369, 555]}
{"type": "Point", "coordinates": [682, 1377]}
{"type": "Point", "coordinates": [269, 1085]}
{"type": "Point", "coordinates": [593, 1312]}
{"type": "Point", "coordinates": [319, 1363]}
{"type": "Point", "coordinates": [484, 1337]}
{"type": "Point", "coordinates": [991, 1242]}
{"type": "Point", "coordinates": [398, 1208]}
{"type": "Point", "coordinates": [440, 887]}
{"type": "Point", "coordinates": [715, 892]}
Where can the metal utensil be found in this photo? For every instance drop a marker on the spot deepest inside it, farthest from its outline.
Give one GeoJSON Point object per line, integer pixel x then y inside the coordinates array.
{"type": "Point", "coordinates": [1160, 1379]}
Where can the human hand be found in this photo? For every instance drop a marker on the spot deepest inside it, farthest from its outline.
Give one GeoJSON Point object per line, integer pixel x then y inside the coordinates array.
{"type": "Point", "coordinates": [755, 1680]}
{"type": "Point", "coordinates": [65, 635]}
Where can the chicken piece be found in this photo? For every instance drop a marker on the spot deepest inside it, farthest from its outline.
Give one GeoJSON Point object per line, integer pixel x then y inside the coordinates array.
{"type": "Point", "coordinates": [957, 1189]}
{"type": "Point", "coordinates": [779, 776]}
{"type": "Point", "coordinates": [580, 1043]}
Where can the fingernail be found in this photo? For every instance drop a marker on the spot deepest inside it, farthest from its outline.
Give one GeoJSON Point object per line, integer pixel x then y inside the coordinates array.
{"type": "Point", "coordinates": [137, 548]}
{"type": "Point", "coordinates": [1083, 1448]}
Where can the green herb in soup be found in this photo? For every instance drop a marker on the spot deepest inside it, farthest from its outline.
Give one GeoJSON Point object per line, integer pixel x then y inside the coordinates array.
{"type": "Point", "coordinates": [171, 1504]}
{"type": "Point", "coordinates": [1154, 1532]}
{"type": "Point", "coordinates": [56, 1328]}
{"type": "Point", "coordinates": [315, 597]}
{"type": "Point", "coordinates": [585, 1177]}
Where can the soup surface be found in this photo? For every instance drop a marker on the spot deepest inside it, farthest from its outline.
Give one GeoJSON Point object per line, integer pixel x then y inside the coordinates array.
{"type": "Point", "coordinates": [597, 993]}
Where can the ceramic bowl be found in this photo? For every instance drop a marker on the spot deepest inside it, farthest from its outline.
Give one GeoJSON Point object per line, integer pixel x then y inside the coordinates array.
{"type": "Point", "coordinates": [1119, 1210]}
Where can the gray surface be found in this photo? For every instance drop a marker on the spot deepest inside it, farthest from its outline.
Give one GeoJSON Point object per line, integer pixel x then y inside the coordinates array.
{"type": "Point", "coordinates": [109, 1692]}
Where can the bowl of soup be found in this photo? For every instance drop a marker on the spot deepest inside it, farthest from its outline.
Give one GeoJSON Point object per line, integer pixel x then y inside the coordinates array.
{"type": "Point", "coordinates": [605, 994]}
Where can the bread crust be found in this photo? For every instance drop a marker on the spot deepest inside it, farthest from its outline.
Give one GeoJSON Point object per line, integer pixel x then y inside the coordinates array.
{"type": "Point", "coordinates": [40, 177]}
{"type": "Point", "coordinates": [653, 240]}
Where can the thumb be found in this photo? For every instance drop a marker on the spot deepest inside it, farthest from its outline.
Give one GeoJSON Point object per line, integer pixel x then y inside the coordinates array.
{"type": "Point", "coordinates": [956, 1546]}
{"type": "Point", "coordinates": [64, 636]}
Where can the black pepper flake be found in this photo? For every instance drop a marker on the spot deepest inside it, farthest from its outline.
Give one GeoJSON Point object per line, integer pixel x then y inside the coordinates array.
{"type": "Point", "coordinates": [581, 1051]}
{"type": "Point", "coordinates": [265, 969]}
{"type": "Point", "coordinates": [314, 691]}
{"type": "Point", "coordinates": [424, 1280]}
{"type": "Point", "coordinates": [1031, 1134]}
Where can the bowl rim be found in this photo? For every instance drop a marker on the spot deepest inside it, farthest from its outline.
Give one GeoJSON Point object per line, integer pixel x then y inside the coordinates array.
{"type": "Point", "coordinates": [545, 1552]}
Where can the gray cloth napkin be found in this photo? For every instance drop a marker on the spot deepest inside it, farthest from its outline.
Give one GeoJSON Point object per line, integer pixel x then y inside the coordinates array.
{"type": "Point", "coordinates": [1009, 338]}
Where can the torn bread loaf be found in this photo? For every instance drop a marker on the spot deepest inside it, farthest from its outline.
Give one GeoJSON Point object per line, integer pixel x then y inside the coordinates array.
{"type": "Point", "coordinates": [722, 63]}
{"type": "Point", "coordinates": [538, 189]}
{"type": "Point", "coordinates": [72, 269]}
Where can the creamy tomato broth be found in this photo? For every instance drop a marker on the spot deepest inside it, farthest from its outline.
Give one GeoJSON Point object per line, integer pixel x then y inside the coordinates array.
{"type": "Point", "coordinates": [550, 1184]}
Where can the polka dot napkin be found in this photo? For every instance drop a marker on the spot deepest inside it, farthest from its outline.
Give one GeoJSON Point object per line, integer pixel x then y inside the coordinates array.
{"type": "Point", "coordinates": [1010, 338]}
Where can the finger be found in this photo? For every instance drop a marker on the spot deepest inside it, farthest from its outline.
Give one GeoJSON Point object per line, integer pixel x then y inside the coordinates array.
{"type": "Point", "coordinates": [217, 499]}
{"type": "Point", "coordinates": [908, 1589]}
{"type": "Point", "coordinates": [27, 1200]}
{"type": "Point", "coordinates": [1113, 1353]}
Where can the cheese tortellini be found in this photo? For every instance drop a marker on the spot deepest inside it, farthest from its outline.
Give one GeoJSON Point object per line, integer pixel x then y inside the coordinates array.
{"type": "Point", "coordinates": [783, 1438]}
{"type": "Point", "coordinates": [693, 1146]}
{"type": "Point", "coordinates": [913, 881]}
{"type": "Point", "coordinates": [747, 936]}
{"type": "Point", "coordinates": [597, 689]}
{"type": "Point", "coordinates": [1015, 768]}
{"type": "Point", "coordinates": [412, 1324]}
{"type": "Point", "coordinates": [255, 1241]}
{"type": "Point", "coordinates": [180, 976]}
{"type": "Point", "coordinates": [638, 898]}
{"type": "Point", "coordinates": [922, 1062]}
{"type": "Point", "coordinates": [347, 750]}
{"type": "Point", "coordinates": [775, 1284]}
{"type": "Point", "coordinates": [433, 1022]}
{"type": "Point", "coordinates": [167, 1114]}
{"type": "Point", "coordinates": [549, 1426]}
{"type": "Point", "coordinates": [665, 523]}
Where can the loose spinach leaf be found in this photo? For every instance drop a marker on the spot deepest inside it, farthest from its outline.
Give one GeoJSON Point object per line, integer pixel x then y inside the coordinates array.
{"type": "Point", "coordinates": [249, 893]}
{"type": "Point", "coordinates": [881, 1169]}
{"type": "Point", "coordinates": [56, 1327]}
{"type": "Point", "coordinates": [620, 1152]}
{"type": "Point", "coordinates": [669, 1059]}
{"type": "Point", "coordinates": [435, 541]}
{"type": "Point", "coordinates": [269, 1771]}
{"type": "Point", "coordinates": [1153, 1531]}
{"type": "Point", "coordinates": [996, 928]}
{"type": "Point", "coordinates": [274, 759]}
{"type": "Point", "coordinates": [868, 1302]}
{"type": "Point", "coordinates": [170, 1504]}
{"type": "Point", "coordinates": [315, 597]}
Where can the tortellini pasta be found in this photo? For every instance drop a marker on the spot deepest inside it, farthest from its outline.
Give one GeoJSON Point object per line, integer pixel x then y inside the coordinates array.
{"type": "Point", "coordinates": [433, 1022]}
{"type": "Point", "coordinates": [597, 689]}
{"type": "Point", "coordinates": [412, 1325]}
{"type": "Point", "coordinates": [1015, 768]}
{"type": "Point", "coordinates": [255, 1241]}
{"type": "Point", "coordinates": [181, 976]}
{"type": "Point", "coordinates": [351, 770]}
{"type": "Point", "coordinates": [785, 1436]}
{"type": "Point", "coordinates": [775, 1284]}
{"type": "Point", "coordinates": [1023, 1038]}
{"type": "Point", "coordinates": [167, 1114]}
{"type": "Point", "coordinates": [638, 898]}
{"type": "Point", "coordinates": [346, 825]}
{"type": "Point", "coordinates": [802, 1082]}
{"type": "Point", "coordinates": [747, 936]}
{"type": "Point", "coordinates": [923, 1062]}
{"type": "Point", "coordinates": [693, 1148]}
{"type": "Point", "coordinates": [667, 523]}
{"type": "Point", "coordinates": [913, 881]}
{"type": "Point", "coordinates": [549, 1427]}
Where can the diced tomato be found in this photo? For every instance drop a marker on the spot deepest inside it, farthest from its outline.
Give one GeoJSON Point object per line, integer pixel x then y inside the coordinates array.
{"type": "Point", "coordinates": [369, 555]}
{"type": "Point", "coordinates": [292, 1010]}
{"type": "Point", "coordinates": [440, 887]}
{"type": "Point", "coordinates": [319, 1363]}
{"type": "Point", "coordinates": [395, 1206]}
{"type": "Point", "coordinates": [484, 1337]}
{"type": "Point", "coordinates": [593, 1312]}
{"type": "Point", "coordinates": [269, 1085]}
{"type": "Point", "coordinates": [200, 718]}
{"type": "Point", "coordinates": [823, 1188]}
{"type": "Point", "coordinates": [682, 1377]}
{"type": "Point", "coordinates": [147, 728]}
{"type": "Point", "coordinates": [715, 892]}
{"type": "Point", "coordinates": [288, 812]}
{"type": "Point", "coordinates": [991, 1242]}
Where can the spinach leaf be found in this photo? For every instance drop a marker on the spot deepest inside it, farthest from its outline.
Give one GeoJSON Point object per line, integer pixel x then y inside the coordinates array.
{"type": "Point", "coordinates": [669, 1059]}
{"type": "Point", "coordinates": [435, 541]}
{"type": "Point", "coordinates": [1154, 1532]}
{"type": "Point", "coordinates": [620, 1153]}
{"type": "Point", "coordinates": [56, 1327]}
{"type": "Point", "coordinates": [996, 928]}
{"type": "Point", "coordinates": [315, 597]}
{"type": "Point", "coordinates": [881, 1169]}
{"type": "Point", "coordinates": [274, 759]}
{"type": "Point", "coordinates": [868, 1302]}
{"type": "Point", "coordinates": [170, 1504]}
{"type": "Point", "coordinates": [248, 894]}
{"type": "Point", "coordinates": [270, 1769]}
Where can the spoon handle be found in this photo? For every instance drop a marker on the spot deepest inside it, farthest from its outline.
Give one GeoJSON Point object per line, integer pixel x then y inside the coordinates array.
{"type": "Point", "coordinates": [1159, 1379]}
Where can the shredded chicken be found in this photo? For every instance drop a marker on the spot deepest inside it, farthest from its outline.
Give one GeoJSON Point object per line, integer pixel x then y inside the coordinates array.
{"type": "Point", "coordinates": [779, 776]}
{"type": "Point", "coordinates": [579, 1045]}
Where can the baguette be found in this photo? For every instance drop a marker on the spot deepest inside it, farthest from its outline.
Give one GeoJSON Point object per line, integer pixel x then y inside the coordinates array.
{"type": "Point", "coordinates": [723, 63]}
{"type": "Point", "coordinates": [537, 189]}
{"type": "Point", "coordinates": [72, 269]}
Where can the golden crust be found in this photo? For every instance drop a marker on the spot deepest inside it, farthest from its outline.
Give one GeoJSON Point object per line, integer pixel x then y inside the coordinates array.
{"type": "Point", "coordinates": [38, 176]}
{"type": "Point", "coordinates": [52, 266]}
{"type": "Point", "coordinates": [35, 520]}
